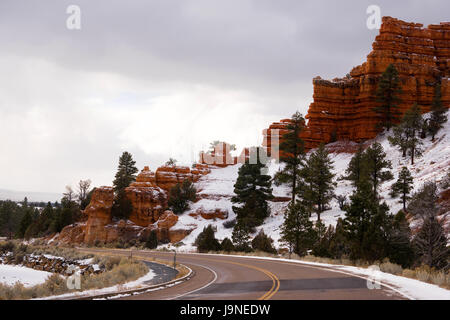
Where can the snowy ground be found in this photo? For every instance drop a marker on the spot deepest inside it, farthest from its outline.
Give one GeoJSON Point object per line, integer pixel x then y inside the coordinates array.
{"type": "Point", "coordinates": [219, 185]}
{"type": "Point", "coordinates": [10, 274]}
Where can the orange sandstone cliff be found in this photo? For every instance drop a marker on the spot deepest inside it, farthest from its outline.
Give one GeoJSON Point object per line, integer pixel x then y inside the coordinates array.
{"type": "Point", "coordinates": [343, 108]}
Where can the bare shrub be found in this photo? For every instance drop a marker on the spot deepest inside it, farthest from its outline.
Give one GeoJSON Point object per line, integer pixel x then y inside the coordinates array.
{"type": "Point", "coordinates": [392, 268]}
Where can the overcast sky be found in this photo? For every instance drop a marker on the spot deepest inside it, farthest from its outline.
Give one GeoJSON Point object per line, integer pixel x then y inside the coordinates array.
{"type": "Point", "coordinates": [164, 78]}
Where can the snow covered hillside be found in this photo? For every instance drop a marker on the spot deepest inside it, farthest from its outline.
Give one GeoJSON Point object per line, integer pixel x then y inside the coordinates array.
{"type": "Point", "coordinates": [216, 188]}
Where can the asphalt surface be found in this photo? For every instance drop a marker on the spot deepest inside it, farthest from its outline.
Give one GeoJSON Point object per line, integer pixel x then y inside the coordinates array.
{"type": "Point", "coordinates": [239, 278]}
{"type": "Point", "coordinates": [162, 273]}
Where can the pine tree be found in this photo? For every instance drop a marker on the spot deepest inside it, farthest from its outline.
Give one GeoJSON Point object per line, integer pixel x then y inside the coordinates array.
{"type": "Point", "coordinates": [264, 243]}
{"type": "Point", "coordinates": [323, 239]}
{"type": "Point", "coordinates": [126, 174]}
{"type": "Point", "coordinates": [152, 240]}
{"type": "Point", "coordinates": [424, 202]}
{"type": "Point", "coordinates": [438, 113]}
{"type": "Point", "coordinates": [180, 195]}
{"type": "Point", "coordinates": [320, 179]}
{"type": "Point", "coordinates": [400, 138]}
{"type": "Point", "coordinates": [227, 245]}
{"type": "Point", "coordinates": [400, 247]}
{"type": "Point", "coordinates": [413, 122]}
{"type": "Point", "coordinates": [252, 191]}
{"type": "Point", "coordinates": [339, 245]}
{"type": "Point", "coordinates": [403, 186]}
{"type": "Point", "coordinates": [367, 225]}
{"type": "Point", "coordinates": [26, 221]}
{"type": "Point", "coordinates": [356, 171]}
{"type": "Point", "coordinates": [297, 230]}
{"type": "Point", "coordinates": [292, 154]}
{"type": "Point", "coordinates": [206, 240]}
{"type": "Point", "coordinates": [387, 95]}
{"type": "Point", "coordinates": [431, 244]}
{"type": "Point", "coordinates": [375, 163]}
{"type": "Point", "coordinates": [241, 237]}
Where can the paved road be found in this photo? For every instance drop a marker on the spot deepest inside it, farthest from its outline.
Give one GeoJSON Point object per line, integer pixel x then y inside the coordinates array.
{"type": "Point", "coordinates": [236, 278]}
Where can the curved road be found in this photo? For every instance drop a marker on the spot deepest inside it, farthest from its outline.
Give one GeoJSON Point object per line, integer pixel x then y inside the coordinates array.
{"type": "Point", "coordinates": [235, 278]}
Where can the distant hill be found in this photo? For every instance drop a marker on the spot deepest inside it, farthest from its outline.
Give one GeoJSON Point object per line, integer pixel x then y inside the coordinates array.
{"type": "Point", "coordinates": [31, 195]}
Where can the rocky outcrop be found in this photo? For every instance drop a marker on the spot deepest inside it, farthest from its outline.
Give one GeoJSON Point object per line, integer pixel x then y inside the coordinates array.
{"type": "Point", "coordinates": [210, 214]}
{"type": "Point", "coordinates": [167, 177]}
{"type": "Point", "coordinates": [148, 196]}
{"type": "Point", "coordinates": [343, 107]}
{"type": "Point", "coordinates": [99, 214]}
{"type": "Point", "coordinates": [148, 200]}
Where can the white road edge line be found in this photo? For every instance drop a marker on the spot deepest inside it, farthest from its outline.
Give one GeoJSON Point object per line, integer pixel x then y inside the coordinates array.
{"type": "Point", "coordinates": [309, 266]}
{"type": "Point", "coordinates": [205, 286]}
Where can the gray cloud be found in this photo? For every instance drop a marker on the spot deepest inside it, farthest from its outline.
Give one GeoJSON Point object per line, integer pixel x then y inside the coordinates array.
{"type": "Point", "coordinates": [71, 101]}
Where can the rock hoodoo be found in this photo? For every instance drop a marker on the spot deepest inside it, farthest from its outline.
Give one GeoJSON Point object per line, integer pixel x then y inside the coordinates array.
{"type": "Point", "coordinates": [148, 195]}
{"type": "Point", "coordinates": [343, 108]}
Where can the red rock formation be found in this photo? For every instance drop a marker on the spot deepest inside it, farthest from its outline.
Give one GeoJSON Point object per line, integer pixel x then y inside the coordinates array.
{"type": "Point", "coordinates": [148, 195]}
{"type": "Point", "coordinates": [99, 213]}
{"type": "Point", "coordinates": [210, 214]}
{"type": "Point", "coordinates": [148, 200]}
{"type": "Point", "coordinates": [169, 176]}
{"type": "Point", "coordinates": [343, 108]}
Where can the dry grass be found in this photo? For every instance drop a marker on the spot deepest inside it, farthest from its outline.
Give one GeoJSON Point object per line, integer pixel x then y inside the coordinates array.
{"type": "Point", "coordinates": [119, 270]}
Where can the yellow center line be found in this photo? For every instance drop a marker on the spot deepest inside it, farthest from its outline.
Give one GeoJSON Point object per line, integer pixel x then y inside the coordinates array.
{"type": "Point", "coordinates": [275, 281]}
{"type": "Point", "coordinates": [266, 296]}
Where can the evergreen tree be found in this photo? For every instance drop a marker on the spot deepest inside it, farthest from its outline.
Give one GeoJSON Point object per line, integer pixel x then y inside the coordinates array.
{"type": "Point", "coordinates": [152, 240]}
{"type": "Point", "coordinates": [297, 230]}
{"type": "Point", "coordinates": [41, 226]}
{"type": "Point", "coordinates": [438, 113]}
{"type": "Point", "coordinates": [387, 95]}
{"type": "Point", "coordinates": [206, 240]}
{"type": "Point", "coordinates": [375, 163]}
{"type": "Point", "coordinates": [10, 217]}
{"type": "Point", "coordinates": [407, 134]}
{"type": "Point", "coordinates": [227, 245]}
{"type": "Point", "coordinates": [339, 245]}
{"type": "Point", "coordinates": [264, 243]}
{"type": "Point", "coordinates": [367, 225]}
{"type": "Point", "coordinates": [403, 186]}
{"type": "Point", "coordinates": [413, 123]}
{"type": "Point", "coordinates": [292, 154]}
{"type": "Point", "coordinates": [431, 244]}
{"type": "Point", "coordinates": [356, 171]}
{"type": "Point", "coordinates": [400, 247]}
{"type": "Point", "coordinates": [320, 179]}
{"type": "Point", "coordinates": [26, 221]}
{"type": "Point", "coordinates": [424, 203]}
{"type": "Point", "coordinates": [126, 174]}
{"type": "Point", "coordinates": [323, 239]}
{"type": "Point", "coordinates": [241, 237]}
{"type": "Point", "coordinates": [252, 191]}
{"type": "Point", "coordinates": [180, 195]}
{"type": "Point", "coordinates": [400, 138]}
